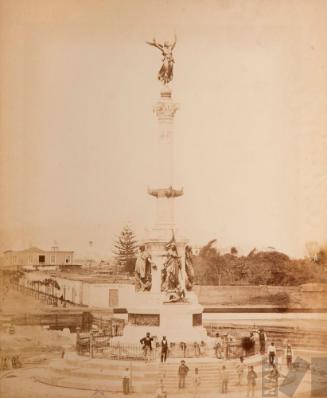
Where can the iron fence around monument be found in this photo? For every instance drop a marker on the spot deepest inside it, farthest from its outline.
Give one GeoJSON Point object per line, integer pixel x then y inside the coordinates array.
{"type": "Point", "coordinates": [188, 350]}
{"type": "Point", "coordinates": [125, 351]}
{"type": "Point", "coordinates": [101, 345]}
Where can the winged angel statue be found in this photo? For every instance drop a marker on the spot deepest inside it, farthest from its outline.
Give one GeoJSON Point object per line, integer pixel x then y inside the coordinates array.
{"type": "Point", "coordinates": [165, 73]}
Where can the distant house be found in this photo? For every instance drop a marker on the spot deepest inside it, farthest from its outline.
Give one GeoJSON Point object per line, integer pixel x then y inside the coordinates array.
{"type": "Point", "coordinates": [35, 257]}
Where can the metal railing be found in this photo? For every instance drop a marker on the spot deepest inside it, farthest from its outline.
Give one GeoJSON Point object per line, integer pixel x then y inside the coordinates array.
{"type": "Point", "coordinates": [129, 352]}
{"type": "Point", "coordinates": [43, 297]}
{"type": "Point", "coordinates": [188, 350]}
{"type": "Point", "coordinates": [101, 345]}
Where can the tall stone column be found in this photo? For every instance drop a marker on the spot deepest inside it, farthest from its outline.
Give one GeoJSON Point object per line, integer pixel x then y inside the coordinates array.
{"type": "Point", "coordinates": [164, 193]}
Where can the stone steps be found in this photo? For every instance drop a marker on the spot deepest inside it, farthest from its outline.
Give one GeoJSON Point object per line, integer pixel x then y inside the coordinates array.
{"type": "Point", "coordinates": [106, 375]}
{"type": "Point", "coordinates": [209, 374]}
{"type": "Point", "coordinates": [313, 342]}
{"type": "Point", "coordinates": [93, 385]}
{"type": "Point", "coordinates": [145, 379]}
{"type": "Point", "coordinates": [103, 375]}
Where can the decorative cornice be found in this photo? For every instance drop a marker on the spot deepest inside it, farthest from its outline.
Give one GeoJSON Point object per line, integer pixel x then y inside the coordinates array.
{"type": "Point", "coordinates": [169, 192]}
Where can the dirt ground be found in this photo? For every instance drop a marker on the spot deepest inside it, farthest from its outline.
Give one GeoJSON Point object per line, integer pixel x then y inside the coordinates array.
{"type": "Point", "coordinates": [38, 346]}
{"type": "Point", "coordinates": [21, 384]}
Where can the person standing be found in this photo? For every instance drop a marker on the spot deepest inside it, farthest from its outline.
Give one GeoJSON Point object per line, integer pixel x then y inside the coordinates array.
{"type": "Point", "coordinates": [182, 373]}
{"type": "Point", "coordinates": [218, 346]}
{"type": "Point", "coordinates": [262, 341]}
{"type": "Point", "coordinates": [224, 380]}
{"type": "Point", "coordinates": [272, 353]}
{"type": "Point", "coordinates": [18, 362]}
{"type": "Point", "coordinates": [252, 376]}
{"type": "Point", "coordinates": [289, 355]}
{"type": "Point", "coordinates": [147, 346]}
{"type": "Point", "coordinates": [5, 364]}
{"type": "Point", "coordinates": [196, 383]}
{"type": "Point", "coordinates": [13, 361]}
{"type": "Point", "coordinates": [256, 337]}
{"type": "Point", "coordinates": [126, 381]}
{"type": "Point", "coordinates": [240, 371]}
{"type": "Point", "coordinates": [164, 349]}
{"type": "Point", "coordinates": [252, 345]}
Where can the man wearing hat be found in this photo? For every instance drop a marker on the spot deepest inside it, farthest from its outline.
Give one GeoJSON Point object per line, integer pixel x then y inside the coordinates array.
{"type": "Point", "coordinates": [147, 346]}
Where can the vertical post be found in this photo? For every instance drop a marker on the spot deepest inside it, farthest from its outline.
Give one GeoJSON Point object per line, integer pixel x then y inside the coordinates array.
{"type": "Point", "coordinates": [78, 329]}
{"type": "Point", "coordinates": [91, 344]}
{"type": "Point", "coordinates": [131, 377]}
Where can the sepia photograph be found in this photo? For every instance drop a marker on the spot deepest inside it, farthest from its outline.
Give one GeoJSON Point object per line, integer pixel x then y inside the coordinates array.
{"type": "Point", "coordinates": [163, 198]}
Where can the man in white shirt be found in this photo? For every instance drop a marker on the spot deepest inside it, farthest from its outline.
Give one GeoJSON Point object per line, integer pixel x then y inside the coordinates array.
{"type": "Point", "coordinates": [218, 346]}
{"type": "Point", "coordinates": [126, 381]}
{"type": "Point", "coordinates": [289, 355]}
{"type": "Point", "coordinates": [262, 341]}
{"type": "Point", "coordinates": [240, 371]}
{"type": "Point", "coordinates": [271, 353]}
{"type": "Point", "coordinates": [196, 383]}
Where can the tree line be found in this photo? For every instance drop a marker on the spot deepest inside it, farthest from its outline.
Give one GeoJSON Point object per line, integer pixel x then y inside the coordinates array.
{"type": "Point", "coordinates": [256, 268]}
{"type": "Point", "coordinates": [214, 268]}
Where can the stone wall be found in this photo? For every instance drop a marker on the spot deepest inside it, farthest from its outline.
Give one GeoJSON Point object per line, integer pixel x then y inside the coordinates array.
{"type": "Point", "coordinates": [285, 296]}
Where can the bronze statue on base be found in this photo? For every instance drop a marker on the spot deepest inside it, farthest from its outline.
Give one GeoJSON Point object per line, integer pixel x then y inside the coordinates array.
{"type": "Point", "coordinates": [143, 266]}
{"type": "Point", "coordinates": [165, 73]}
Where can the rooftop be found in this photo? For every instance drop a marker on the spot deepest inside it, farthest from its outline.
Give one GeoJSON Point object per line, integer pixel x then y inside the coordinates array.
{"type": "Point", "coordinates": [34, 249]}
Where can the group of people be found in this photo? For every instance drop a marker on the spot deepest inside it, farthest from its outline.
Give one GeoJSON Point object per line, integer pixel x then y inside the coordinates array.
{"type": "Point", "coordinates": [12, 361]}
{"type": "Point", "coordinates": [147, 347]}
{"type": "Point", "coordinates": [255, 343]}
{"type": "Point", "coordinates": [223, 346]}
{"type": "Point", "coordinates": [251, 377]}
{"type": "Point", "coordinates": [272, 355]}
{"type": "Point", "coordinates": [183, 369]}
{"type": "Point", "coordinates": [257, 339]}
{"type": "Point", "coordinates": [147, 341]}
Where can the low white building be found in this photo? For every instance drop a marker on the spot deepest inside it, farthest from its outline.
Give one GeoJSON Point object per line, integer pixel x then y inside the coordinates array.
{"type": "Point", "coordinates": [83, 290]}
{"type": "Point", "coordinates": [35, 257]}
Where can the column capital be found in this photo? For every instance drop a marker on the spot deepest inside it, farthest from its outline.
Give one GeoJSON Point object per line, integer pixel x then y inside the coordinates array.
{"type": "Point", "coordinates": [165, 108]}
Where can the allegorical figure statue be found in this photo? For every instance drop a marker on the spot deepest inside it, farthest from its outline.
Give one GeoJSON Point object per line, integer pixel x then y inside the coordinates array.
{"type": "Point", "coordinates": [166, 71]}
{"type": "Point", "coordinates": [143, 276]}
{"type": "Point", "coordinates": [170, 274]}
{"type": "Point", "coordinates": [189, 270]}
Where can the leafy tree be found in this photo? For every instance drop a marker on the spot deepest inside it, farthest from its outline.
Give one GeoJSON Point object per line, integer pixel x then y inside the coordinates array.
{"type": "Point", "coordinates": [257, 268]}
{"type": "Point", "coordinates": [125, 249]}
{"type": "Point", "coordinates": [210, 265]}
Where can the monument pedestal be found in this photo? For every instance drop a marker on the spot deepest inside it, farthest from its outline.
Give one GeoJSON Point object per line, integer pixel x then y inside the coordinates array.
{"type": "Point", "coordinates": [179, 322]}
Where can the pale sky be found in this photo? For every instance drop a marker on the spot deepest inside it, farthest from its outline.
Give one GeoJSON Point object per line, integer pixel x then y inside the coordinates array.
{"type": "Point", "coordinates": [78, 84]}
